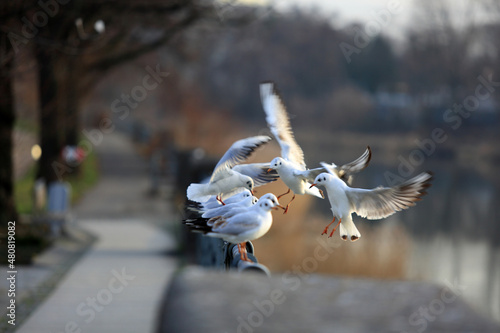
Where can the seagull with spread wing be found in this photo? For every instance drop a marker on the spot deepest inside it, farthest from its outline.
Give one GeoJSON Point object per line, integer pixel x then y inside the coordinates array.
{"type": "Point", "coordinates": [372, 204]}
{"type": "Point", "coordinates": [291, 166]}
{"type": "Point", "coordinates": [229, 177]}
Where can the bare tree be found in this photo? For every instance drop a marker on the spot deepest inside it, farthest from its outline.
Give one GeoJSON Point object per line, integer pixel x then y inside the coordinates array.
{"type": "Point", "coordinates": [7, 117]}
{"type": "Point", "coordinates": [440, 45]}
{"type": "Point", "coordinates": [72, 52]}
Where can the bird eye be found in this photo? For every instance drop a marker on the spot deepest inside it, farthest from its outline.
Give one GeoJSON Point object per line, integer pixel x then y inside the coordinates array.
{"type": "Point", "coordinates": [324, 178]}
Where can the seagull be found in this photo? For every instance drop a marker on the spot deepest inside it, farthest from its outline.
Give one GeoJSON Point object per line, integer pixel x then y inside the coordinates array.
{"type": "Point", "coordinates": [254, 223]}
{"type": "Point", "coordinates": [214, 203]}
{"type": "Point", "coordinates": [230, 208]}
{"type": "Point", "coordinates": [229, 177]}
{"type": "Point", "coordinates": [372, 204]}
{"type": "Point", "coordinates": [291, 166]}
{"type": "Point", "coordinates": [273, 198]}
{"type": "Point", "coordinates": [239, 207]}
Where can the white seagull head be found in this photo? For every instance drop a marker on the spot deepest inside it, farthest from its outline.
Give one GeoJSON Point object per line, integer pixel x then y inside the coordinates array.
{"type": "Point", "coordinates": [266, 205]}
{"type": "Point", "coordinates": [324, 178]}
{"type": "Point", "coordinates": [273, 198]}
{"type": "Point", "coordinates": [242, 195]}
{"type": "Point", "coordinates": [248, 183]}
{"type": "Point", "coordinates": [276, 163]}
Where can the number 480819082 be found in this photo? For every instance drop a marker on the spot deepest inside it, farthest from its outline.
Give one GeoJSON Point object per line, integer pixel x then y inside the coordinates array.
{"type": "Point", "coordinates": [11, 244]}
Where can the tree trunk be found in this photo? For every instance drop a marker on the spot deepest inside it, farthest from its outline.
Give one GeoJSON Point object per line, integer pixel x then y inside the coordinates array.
{"type": "Point", "coordinates": [71, 108]}
{"type": "Point", "coordinates": [50, 165]}
{"type": "Point", "coordinates": [7, 116]}
{"type": "Point", "coordinates": [70, 98]}
{"type": "Point", "coordinates": [71, 125]}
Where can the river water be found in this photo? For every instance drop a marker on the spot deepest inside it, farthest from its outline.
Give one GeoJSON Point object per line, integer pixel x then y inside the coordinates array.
{"type": "Point", "coordinates": [454, 231]}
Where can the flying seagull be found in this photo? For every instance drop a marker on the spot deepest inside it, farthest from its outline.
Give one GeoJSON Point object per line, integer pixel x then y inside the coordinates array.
{"type": "Point", "coordinates": [372, 204]}
{"type": "Point", "coordinates": [229, 176]}
{"type": "Point", "coordinates": [291, 166]}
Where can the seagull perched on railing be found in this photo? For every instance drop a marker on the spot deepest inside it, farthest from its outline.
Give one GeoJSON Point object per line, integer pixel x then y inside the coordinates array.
{"type": "Point", "coordinates": [214, 203]}
{"type": "Point", "coordinates": [240, 228]}
{"type": "Point", "coordinates": [229, 176]}
{"type": "Point", "coordinates": [291, 166]}
{"type": "Point", "coordinates": [372, 204]}
{"type": "Point", "coordinates": [230, 208]}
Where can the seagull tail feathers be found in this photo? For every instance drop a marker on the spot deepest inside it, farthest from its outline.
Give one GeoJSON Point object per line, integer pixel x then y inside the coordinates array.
{"type": "Point", "coordinates": [348, 230]}
{"type": "Point", "coordinates": [197, 192]}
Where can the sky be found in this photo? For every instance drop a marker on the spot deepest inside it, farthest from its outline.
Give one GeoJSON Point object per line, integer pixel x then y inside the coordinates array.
{"type": "Point", "coordinates": [348, 11]}
{"type": "Point", "coordinates": [351, 10]}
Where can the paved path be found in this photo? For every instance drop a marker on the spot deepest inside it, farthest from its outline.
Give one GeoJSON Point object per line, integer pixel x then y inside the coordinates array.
{"type": "Point", "coordinates": [118, 285]}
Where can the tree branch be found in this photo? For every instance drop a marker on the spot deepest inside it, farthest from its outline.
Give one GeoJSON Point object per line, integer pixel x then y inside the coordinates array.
{"type": "Point", "coordinates": [129, 54]}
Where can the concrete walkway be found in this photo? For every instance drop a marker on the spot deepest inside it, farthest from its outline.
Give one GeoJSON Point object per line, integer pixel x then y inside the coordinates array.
{"type": "Point", "coordinates": [119, 284]}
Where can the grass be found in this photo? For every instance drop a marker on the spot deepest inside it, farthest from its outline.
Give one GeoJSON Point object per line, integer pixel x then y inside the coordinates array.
{"type": "Point", "coordinates": [88, 177]}
{"type": "Point", "coordinates": [26, 125]}
{"type": "Point", "coordinates": [23, 192]}
{"type": "Point", "coordinates": [80, 183]}
{"type": "Point", "coordinates": [33, 238]}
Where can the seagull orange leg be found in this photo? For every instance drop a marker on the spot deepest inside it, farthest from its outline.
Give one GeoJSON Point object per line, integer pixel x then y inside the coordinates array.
{"type": "Point", "coordinates": [286, 208]}
{"type": "Point", "coordinates": [244, 251]}
{"type": "Point", "coordinates": [331, 234]}
{"type": "Point", "coordinates": [219, 199]}
{"type": "Point", "coordinates": [240, 251]}
{"type": "Point", "coordinates": [279, 196]}
{"type": "Point", "coordinates": [326, 228]}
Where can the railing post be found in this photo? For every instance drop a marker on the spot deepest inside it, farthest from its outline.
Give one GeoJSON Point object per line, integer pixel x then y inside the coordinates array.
{"type": "Point", "coordinates": [233, 260]}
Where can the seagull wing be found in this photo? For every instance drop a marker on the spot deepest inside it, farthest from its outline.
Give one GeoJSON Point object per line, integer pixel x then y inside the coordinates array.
{"type": "Point", "coordinates": [345, 171]}
{"type": "Point", "coordinates": [236, 224]}
{"type": "Point", "coordinates": [355, 166]}
{"type": "Point", "coordinates": [238, 152]}
{"type": "Point", "coordinates": [384, 201]}
{"type": "Point", "coordinates": [309, 174]}
{"type": "Point", "coordinates": [257, 171]}
{"type": "Point", "coordinates": [279, 124]}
